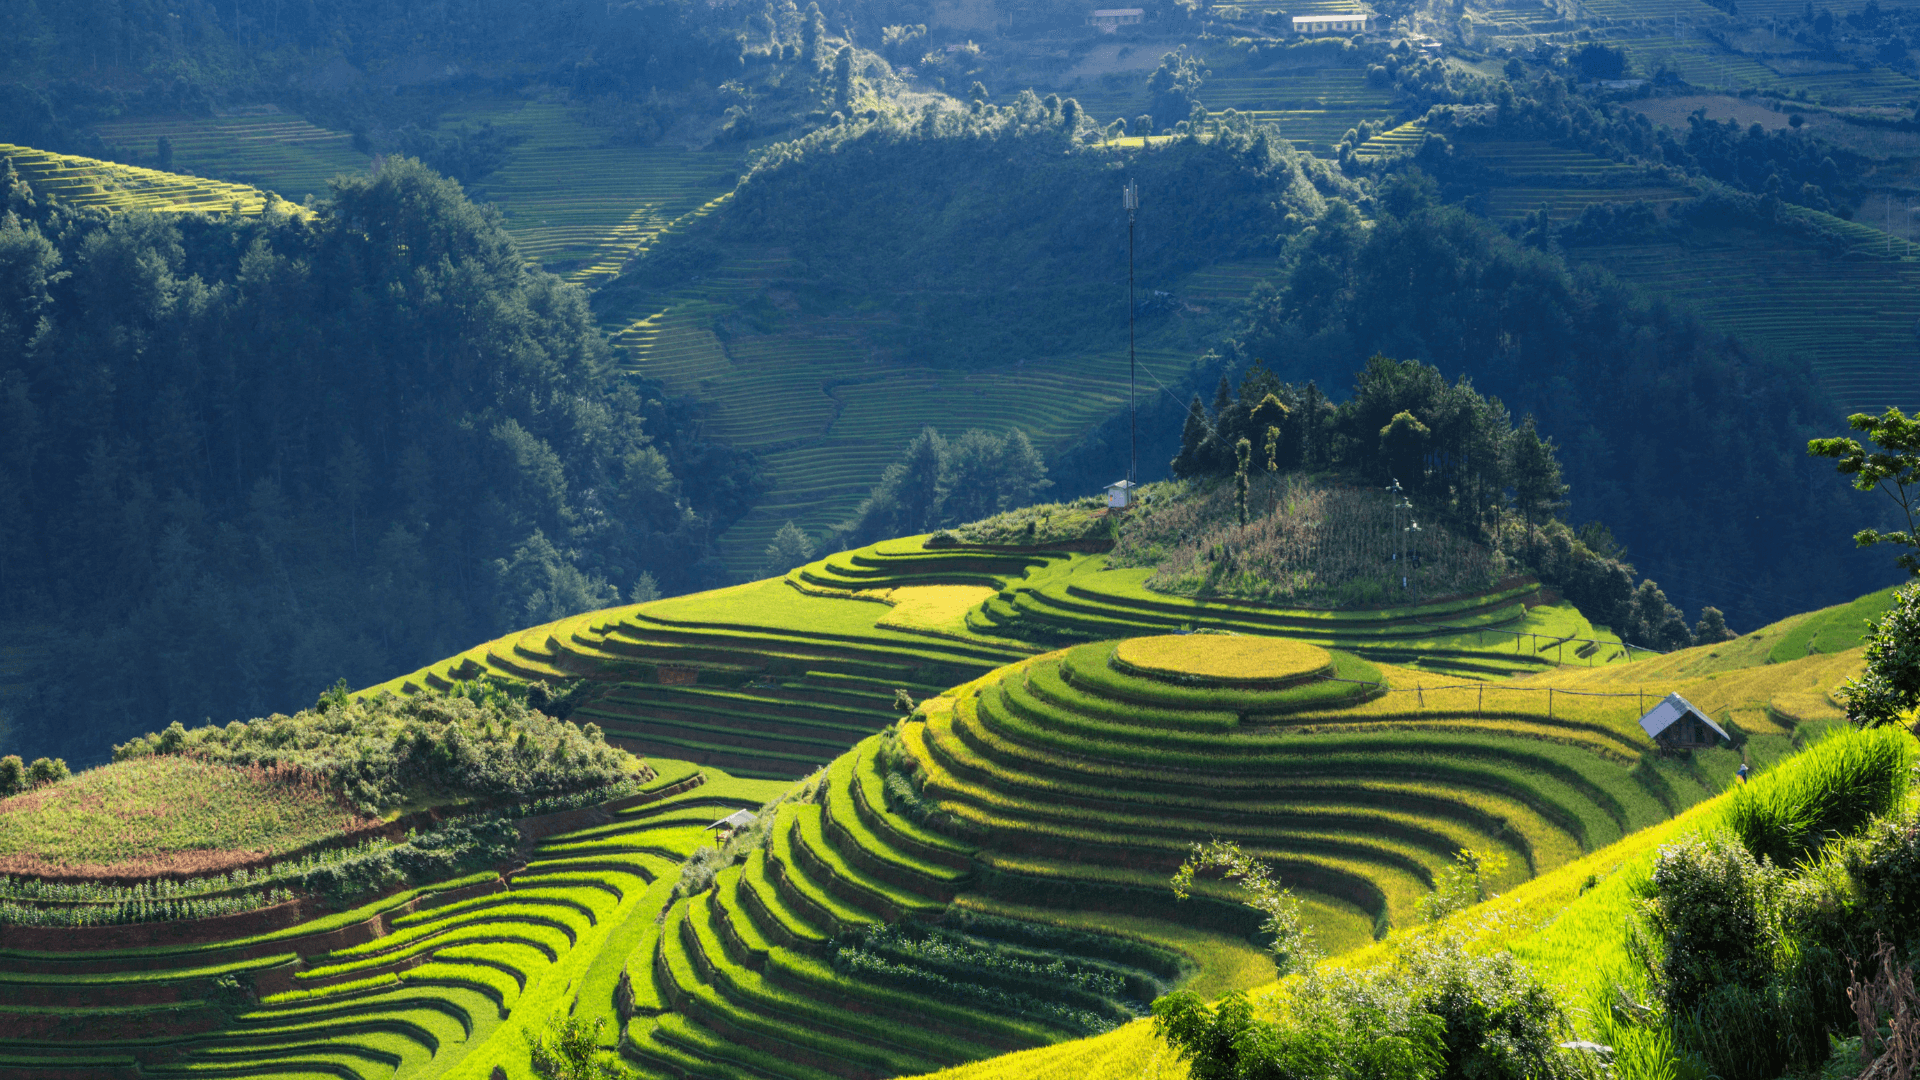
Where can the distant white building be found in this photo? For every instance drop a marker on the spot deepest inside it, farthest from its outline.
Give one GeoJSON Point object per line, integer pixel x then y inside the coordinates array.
{"type": "Point", "coordinates": [1109, 20]}
{"type": "Point", "coordinates": [1331, 24]}
{"type": "Point", "coordinates": [1120, 494]}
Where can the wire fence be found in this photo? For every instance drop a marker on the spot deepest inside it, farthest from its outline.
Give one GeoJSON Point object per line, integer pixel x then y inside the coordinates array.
{"type": "Point", "coordinates": [1558, 644]}
{"type": "Point", "coordinates": [1479, 692]}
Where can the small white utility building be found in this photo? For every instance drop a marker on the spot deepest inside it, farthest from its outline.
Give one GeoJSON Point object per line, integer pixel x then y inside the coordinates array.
{"type": "Point", "coordinates": [1110, 20]}
{"type": "Point", "coordinates": [1120, 494]}
{"type": "Point", "coordinates": [1352, 23]}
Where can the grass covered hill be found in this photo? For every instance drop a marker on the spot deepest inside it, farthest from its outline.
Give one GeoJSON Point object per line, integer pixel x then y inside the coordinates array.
{"type": "Point", "coordinates": [970, 762]}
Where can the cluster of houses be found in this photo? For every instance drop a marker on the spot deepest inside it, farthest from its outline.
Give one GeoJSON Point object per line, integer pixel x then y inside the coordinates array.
{"type": "Point", "coordinates": [1110, 20]}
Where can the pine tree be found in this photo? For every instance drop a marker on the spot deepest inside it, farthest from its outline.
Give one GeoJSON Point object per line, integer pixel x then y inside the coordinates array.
{"type": "Point", "coordinates": [1192, 434]}
{"type": "Point", "coordinates": [1536, 475]}
{"type": "Point", "coordinates": [812, 29]}
{"type": "Point", "coordinates": [843, 78]}
{"type": "Point", "coordinates": [790, 548]}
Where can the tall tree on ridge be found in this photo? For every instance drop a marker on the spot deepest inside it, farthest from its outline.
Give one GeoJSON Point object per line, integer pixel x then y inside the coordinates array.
{"type": "Point", "coordinates": [1536, 474]}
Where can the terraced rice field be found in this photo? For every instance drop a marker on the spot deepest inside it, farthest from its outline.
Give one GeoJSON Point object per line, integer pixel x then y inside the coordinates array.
{"type": "Point", "coordinates": [1565, 204]}
{"type": "Point", "coordinates": [1646, 10]}
{"type": "Point", "coordinates": [761, 679]}
{"type": "Point", "coordinates": [1393, 142]}
{"type": "Point", "coordinates": [441, 980]}
{"type": "Point", "coordinates": [1312, 107]}
{"type": "Point", "coordinates": [1542, 159]}
{"type": "Point", "coordinates": [1229, 282]}
{"type": "Point", "coordinates": [579, 206]}
{"type": "Point", "coordinates": [1855, 319]}
{"type": "Point", "coordinates": [1067, 786]}
{"type": "Point", "coordinates": [285, 154]}
{"type": "Point", "coordinates": [778, 677]}
{"type": "Point", "coordinates": [829, 414]}
{"type": "Point", "coordinates": [83, 181]}
{"type": "Point", "coordinates": [990, 874]}
{"type": "Point", "coordinates": [1706, 64]}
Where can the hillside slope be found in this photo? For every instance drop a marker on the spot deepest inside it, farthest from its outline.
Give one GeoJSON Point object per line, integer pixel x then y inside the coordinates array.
{"type": "Point", "coordinates": [1022, 820]}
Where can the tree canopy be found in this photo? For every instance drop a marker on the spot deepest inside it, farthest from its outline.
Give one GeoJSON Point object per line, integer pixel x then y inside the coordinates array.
{"type": "Point", "coordinates": [245, 458]}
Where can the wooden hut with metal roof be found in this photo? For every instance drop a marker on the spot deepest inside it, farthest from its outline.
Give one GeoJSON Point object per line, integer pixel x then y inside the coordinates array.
{"type": "Point", "coordinates": [1677, 724]}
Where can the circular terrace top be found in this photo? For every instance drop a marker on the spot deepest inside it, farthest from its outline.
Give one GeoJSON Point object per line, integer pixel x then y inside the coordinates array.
{"type": "Point", "coordinates": [1223, 658]}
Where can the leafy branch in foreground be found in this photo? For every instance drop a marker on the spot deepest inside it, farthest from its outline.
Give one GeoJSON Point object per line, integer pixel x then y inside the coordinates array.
{"type": "Point", "coordinates": [1890, 687]}
{"type": "Point", "coordinates": [1462, 885]}
{"type": "Point", "coordinates": [1293, 946]}
{"type": "Point", "coordinates": [1894, 470]}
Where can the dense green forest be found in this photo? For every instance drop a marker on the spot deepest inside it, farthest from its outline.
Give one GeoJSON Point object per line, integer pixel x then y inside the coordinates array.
{"type": "Point", "coordinates": [245, 458]}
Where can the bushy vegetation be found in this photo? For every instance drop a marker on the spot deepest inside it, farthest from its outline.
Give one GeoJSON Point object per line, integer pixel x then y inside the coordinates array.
{"type": "Point", "coordinates": [378, 755]}
{"type": "Point", "coordinates": [1434, 1012]}
{"type": "Point", "coordinates": [1758, 939]}
{"type": "Point", "coordinates": [17, 775]}
{"type": "Point", "coordinates": [1473, 497]}
{"type": "Point", "coordinates": [1040, 523]}
{"type": "Point", "coordinates": [1077, 996]}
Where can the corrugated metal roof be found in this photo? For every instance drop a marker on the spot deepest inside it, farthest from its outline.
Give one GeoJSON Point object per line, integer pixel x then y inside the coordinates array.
{"type": "Point", "coordinates": [739, 819]}
{"type": "Point", "coordinates": [1670, 712]}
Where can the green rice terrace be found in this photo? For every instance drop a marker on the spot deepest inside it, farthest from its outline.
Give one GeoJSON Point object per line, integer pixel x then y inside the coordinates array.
{"type": "Point", "coordinates": [1313, 105]}
{"type": "Point", "coordinates": [580, 207]}
{"type": "Point", "coordinates": [274, 151]}
{"type": "Point", "coordinates": [954, 776]}
{"type": "Point", "coordinates": [575, 204]}
{"type": "Point", "coordinates": [1853, 315]}
{"type": "Point", "coordinates": [829, 412]}
{"type": "Point", "coordinates": [83, 181]}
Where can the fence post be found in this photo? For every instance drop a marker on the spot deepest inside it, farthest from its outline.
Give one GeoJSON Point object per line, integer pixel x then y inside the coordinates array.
{"type": "Point", "coordinates": [1480, 699]}
{"type": "Point", "coordinates": [1549, 702]}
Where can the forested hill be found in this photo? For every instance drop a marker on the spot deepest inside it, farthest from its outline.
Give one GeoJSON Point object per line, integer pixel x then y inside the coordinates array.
{"type": "Point", "coordinates": [981, 241]}
{"type": "Point", "coordinates": [998, 236]}
{"type": "Point", "coordinates": [243, 458]}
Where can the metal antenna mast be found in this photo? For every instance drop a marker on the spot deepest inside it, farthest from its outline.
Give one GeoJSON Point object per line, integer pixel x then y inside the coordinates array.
{"type": "Point", "coordinates": [1130, 195]}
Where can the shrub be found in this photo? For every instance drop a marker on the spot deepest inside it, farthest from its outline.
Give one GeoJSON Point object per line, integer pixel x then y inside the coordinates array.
{"type": "Point", "coordinates": [568, 1049]}
{"type": "Point", "coordinates": [1712, 910]}
{"type": "Point", "coordinates": [458, 847]}
{"type": "Point", "coordinates": [1883, 865]}
{"type": "Point", "coordinates": [13, 775]}
{"type": "Point", "coordinates": [47, 771]}
{"type": "Point", "coordinates": [1434, 1013]}
{"type": "Point", "coordinates": [1305, 543]}
{"type": "Point", "coordinates": [478, 741]}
